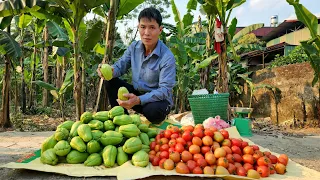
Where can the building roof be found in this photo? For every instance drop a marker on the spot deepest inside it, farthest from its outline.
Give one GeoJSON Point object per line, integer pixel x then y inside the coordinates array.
{"type": "Point", "coordinates": [267, 50]}
{"type": "Point", "coordinates": [285, 27]}
{"type": "Point", "coordinates": [261, 32]}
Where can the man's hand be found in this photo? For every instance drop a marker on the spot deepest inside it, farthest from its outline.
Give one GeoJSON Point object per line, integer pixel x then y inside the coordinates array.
{"type": "Point", "coordinates": [132, 101]}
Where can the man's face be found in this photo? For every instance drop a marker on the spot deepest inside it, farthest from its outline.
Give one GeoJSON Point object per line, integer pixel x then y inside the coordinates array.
{"type": "Point", "coordinates": [149, 31]}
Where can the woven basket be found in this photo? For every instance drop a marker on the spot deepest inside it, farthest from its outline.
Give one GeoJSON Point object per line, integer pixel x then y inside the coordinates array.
{"type": "Point", "coordinates": [209, 105]}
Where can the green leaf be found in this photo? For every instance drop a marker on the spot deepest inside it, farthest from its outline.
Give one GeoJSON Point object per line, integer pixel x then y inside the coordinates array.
{"type": "Point", "coordinates": [14, 7]}
{"type": "Point", "coordinates": [55, 94]}
{"type": "Point", "coordinates": [45, 85]}
{"type": "Point", "coordinates": [67, 81]}
{"type": "Point", "coordinates": [306, 17]}
{"type": "Point", "coordinates": [209, 9]}
{"type": "Point", "coordinates": [24, 21]}
{"type": "Point", "coordinates": [235, 4]}
{"type": "Point", "coordinates": [187, 19]}
{"type": "Point", "coordinates": [246, 30]}
{"type": "Point", "coordinates": [93, 36]}
{"type": "Point", "coordinates": [69, 30]}
{"type": "Point", "coordinates": [127, 5]}
{"type": "Point", "coordinates": [10, 46]}
{"type": "Point", "coordinates": [249, 46]}
{"type": "Point", "coordinates": [192, 5]}
{"type": "Point", "coordinates": [98, 11]}
{"type": "Point", "coordinates": [2, 50]}
{"type": "Point", "coordinates": [5, 22]}
{"type": "Point", "coordinates": [205, 63]}
{"type": "Point", "coordinates": [233, 27]}
{"type": "Point", "coordinates": [177, 18]}
{"type": "Point", "coordinates": [99, 49]}
{"type": "Point", "coordinates": [56, 31]}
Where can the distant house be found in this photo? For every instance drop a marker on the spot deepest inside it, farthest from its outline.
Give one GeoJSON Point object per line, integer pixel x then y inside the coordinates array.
{"type": "Point", "coordinates": [280, 40]}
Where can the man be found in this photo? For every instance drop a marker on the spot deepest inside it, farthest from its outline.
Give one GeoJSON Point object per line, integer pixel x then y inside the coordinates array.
{"type": "Point", "coordinates": [153, 71]}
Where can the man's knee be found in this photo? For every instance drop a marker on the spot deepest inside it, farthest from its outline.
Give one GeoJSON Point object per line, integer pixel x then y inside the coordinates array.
{"type": "Point", "coordinates": [155, 114]}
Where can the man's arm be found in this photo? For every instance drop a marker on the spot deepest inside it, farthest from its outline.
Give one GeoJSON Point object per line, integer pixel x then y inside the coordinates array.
{"type": "Point", "coordinates": [167, 80]}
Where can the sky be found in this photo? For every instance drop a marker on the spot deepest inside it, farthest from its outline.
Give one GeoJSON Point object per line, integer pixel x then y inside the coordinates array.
{"type": "Point", "coordinates": [251, 12]}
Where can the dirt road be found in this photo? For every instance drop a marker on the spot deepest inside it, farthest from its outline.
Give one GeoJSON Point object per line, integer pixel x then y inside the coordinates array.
{"type": "Point", "coordinates": [13, 145]}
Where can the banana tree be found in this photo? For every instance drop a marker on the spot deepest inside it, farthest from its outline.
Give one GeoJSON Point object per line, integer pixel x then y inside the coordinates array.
{"type": "Point", "coordinates": [73, 13]}
{"type": "Point", "coordinates": [11, 50]}
{"type": "Point", "coordinates": [111, 11]}
{"type": "Point", "coordinates": [59, 93]}
{"type": "Point", "coordinates": [222, 9]}
{"type": "Point", "coordinates": [312, 46]}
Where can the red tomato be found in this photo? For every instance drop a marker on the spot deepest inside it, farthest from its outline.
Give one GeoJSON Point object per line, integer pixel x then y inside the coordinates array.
{"type": "Point", "coordinates": [241, 171]}
{"type": "Point", "coordinates": [224, 133]}
{"type": "Point", "coordinates": [248, 150]}
{"type": "Point", "coordinates": [248, 158]}
{"type": "Point", "coordinates": [197, 156]}
{"type": "Point", "coordinates": [164, 141]}
{"type": "Point", "coordinates": [207, 141]}
{"type": "Point", "coordinates": [263, 171]}
{"type": "Point", "coordinates": [181, 141]}
{"type": "Point", "coordinates": [205, 149]}
{"type": "Point", "coordinates": [164, 147]}
{"type": "Point", "coordinates": [151, 157]}
{"type": "Point", "coordinates": [201, 162]}
{"type": "Point", "coordinates": [187, 136]}
{"type": "Point", "coordinates": [153, 145]}
{"type": "Point", "coordinates": [175, 157]}
{"type": "Point", "coordinates": [227, 149]}
{"type": "Point", "coordinates": [255, 147]}
{"type": "Point", "coordinates": [152, 152]}
{"type": "Point", "coordinates": [197, 170]}
{"type": "Point", "coordinates": [210, 158]}
{"type": "Point", "coordinates": [263, 161]}
{"type": "Point", "coordinates": [232, 169]}
{"type": "Point", "coordinates": [161, 133]}
{"type": "Point", "coordinates": [215, 145]}
{"type": "Point", "coordinates": [247, 166]}
{"type": "Point", "coordinates": [187, 128]}
{"type": "Point", "coordinates": [179, 148]}
{"type": "Point", "coordinates": [168, 164]}
{"type": "Point", "coordinates": [164, 154]}
{"type": "Point", "coordinates": [208, 132]}
{"type": "Point", "coordinates": [167, 134]}
{"type": "Point", "coordinates": [282, 161]}
{"type": "Point", "coordinates": [161, 162]}
{"type": "Point", "coordinates": [223, 162]}
{"type": "Point", "coordinates": [197, 132]}
{"type": "Point", "coordinates": [155, 161]}
{"type": "Point", "coordinates": [236, 142]}
{"type": "Point", "coordinates": [220, 152]}
{"type": "Point", "coordinates": [230, 158]}
{"type": "Point", "coordinates": [244, 144]}
{"type": "Point", "coordinates": [186, 156]}
{"type": "Point", "coordinates": [280, 168]}
{"type": "Point", "coordinates": [236, 150]}
{"type": "Point", "coordinates": [267, 153]}
{"type": "Point", "coordinates": [273, 159]}
{"type": "Point", "coordinates": [194, 149]}
{"type": "Point", "coordinates": [172, 142]}
{"type": "Point", "coordinates": [191, 165]}
{"type": "Point", "coordinates": [237, 158]}
{"type": "Point", "coordinates": [174, 136]}
{"type": "Point", "coordinates": [189, 143]}
{"type": "Point", "coordinates": [271, 169]}
{"type": "Point", "coordinates": [182, 168]}
{"type": "Point", "coordinates": [171, 149]}
{"type": "Point", "coordinates": [199, 126]}
{"type": "Point", "coordinates": [226, 142]}
{"type": "Point", "coordinates": [285, 157]}
{"type": "Point", "coordinates": [157, 148]}
{"type": "Point", "coordinates": [197, 141]}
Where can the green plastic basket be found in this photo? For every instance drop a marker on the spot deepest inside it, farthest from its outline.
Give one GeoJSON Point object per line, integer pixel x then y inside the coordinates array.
{"type": "Point", "coordinates": [209, 105]}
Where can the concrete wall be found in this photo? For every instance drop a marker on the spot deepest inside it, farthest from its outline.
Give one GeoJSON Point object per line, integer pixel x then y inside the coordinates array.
{"type": "Point", "coordinates": [298, 97]}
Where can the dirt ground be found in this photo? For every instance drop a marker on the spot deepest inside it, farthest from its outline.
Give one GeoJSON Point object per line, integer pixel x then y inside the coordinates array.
{"type": "Point", "coordinates": [13, 145]}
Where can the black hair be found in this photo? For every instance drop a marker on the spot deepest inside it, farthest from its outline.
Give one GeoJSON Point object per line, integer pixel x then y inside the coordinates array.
{"type": "Point", "coordinates": [151, 13]}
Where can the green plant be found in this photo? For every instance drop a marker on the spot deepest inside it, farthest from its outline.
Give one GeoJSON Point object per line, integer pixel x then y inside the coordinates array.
{"type": "Point", "coordinates": [58, 93]}
{"type": "Point", "coordinates": [297, 55]}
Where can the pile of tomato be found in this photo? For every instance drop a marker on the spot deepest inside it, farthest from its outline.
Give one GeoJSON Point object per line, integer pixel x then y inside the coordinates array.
{"type": "Point", "coordinates": [200, 150]}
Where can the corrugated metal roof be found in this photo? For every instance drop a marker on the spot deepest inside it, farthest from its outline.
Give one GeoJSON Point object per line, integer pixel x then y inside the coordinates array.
{"type": "Point", "coordinates": [285, 27]}
{"type": "Point", "coordinates": [267, 50]}
{"type": "Point", "coordinates": [259, 32]}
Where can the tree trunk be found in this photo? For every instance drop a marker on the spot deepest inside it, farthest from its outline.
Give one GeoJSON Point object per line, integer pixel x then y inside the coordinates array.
{"type": "Point", "coordinates": [77, 77]}
{"type": "Point", "coordinates": [16, 101]}
{"type": "Point", "coordinates": [5, 120]}
{"type": "Point", "coordinates": [58, 74]}
{"type": "Point", "coordinates": [83, 86]}
{"type": "Point", "coordinates": [223, 76]}
{"type": "Point", "coordinates": [110, 37]}
{"type": "Point", "coordinates": [23, 83]}
{"type": "Point", "coordinates": [45, 67]}
{"type": "Point", "coordinates": [33, 70]}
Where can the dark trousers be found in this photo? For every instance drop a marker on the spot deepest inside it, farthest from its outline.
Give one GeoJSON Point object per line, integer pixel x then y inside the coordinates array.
{"type": "Point", "coordinates": [155, 112]}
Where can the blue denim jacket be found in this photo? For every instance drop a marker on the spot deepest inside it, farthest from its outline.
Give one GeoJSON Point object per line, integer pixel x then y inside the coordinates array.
{"type": "Point", "coordinates": [154, 75]}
